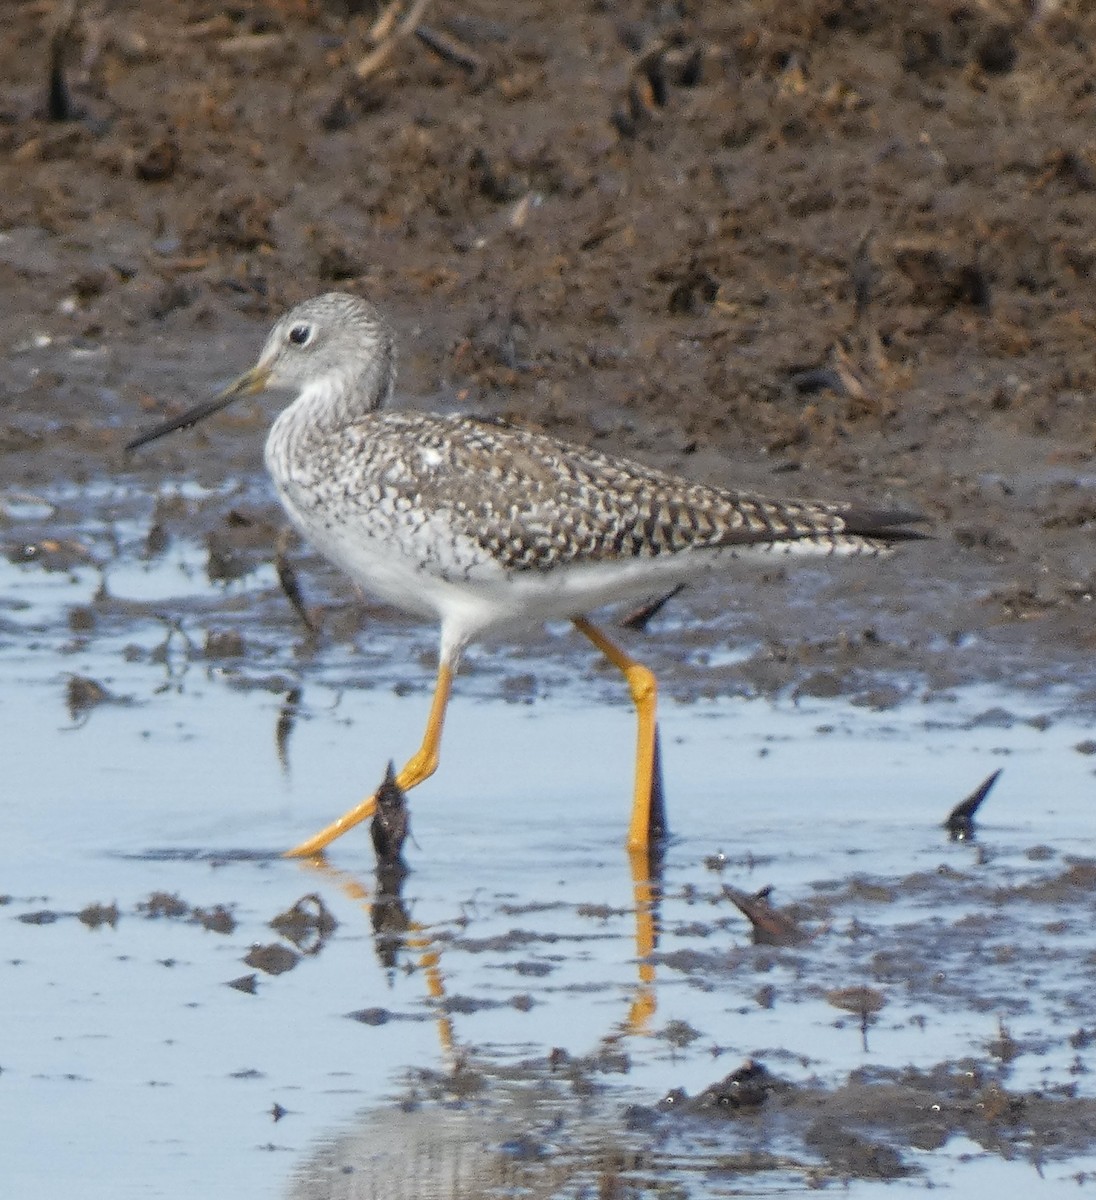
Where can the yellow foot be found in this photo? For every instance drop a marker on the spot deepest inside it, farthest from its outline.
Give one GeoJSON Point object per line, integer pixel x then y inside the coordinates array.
{"type": "Point", "coordinates": [320, 841]}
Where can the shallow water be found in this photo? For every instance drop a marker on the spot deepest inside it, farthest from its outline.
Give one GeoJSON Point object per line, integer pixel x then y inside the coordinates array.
{"type": "Point", "coordinates": [190, 774]}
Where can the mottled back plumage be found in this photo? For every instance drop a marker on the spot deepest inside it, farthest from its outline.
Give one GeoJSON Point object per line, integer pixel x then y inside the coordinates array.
{"type": "Point", "coordinates": [528, 502]}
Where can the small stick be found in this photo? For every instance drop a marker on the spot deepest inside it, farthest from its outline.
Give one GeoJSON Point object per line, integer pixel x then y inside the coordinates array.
{"type": "Point", "coordinates": [376, 59]}
{"type": "Point", "coordinates": [449, 49]}
{"type": "Point", "coordinates": [960, 822]}
{"type": "Point", "coordinates": [770, 926]}
{"type": "Point", "coordinates": [638, 618]}
{"type": "Point", "coordinates": [287, 719]}
{"type": "Point", "coordinates": [390, 822]}
{"type": "Point", "coordinates": [59, 105]}
{"type": "Point", "coordinates": [287, 577]}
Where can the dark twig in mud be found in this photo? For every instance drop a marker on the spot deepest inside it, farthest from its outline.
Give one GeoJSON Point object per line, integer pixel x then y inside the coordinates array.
{"type": "Point", "coordinates": [960, 822]}
{"type": "Point", "coordinates": [59, 103]}
{"type": "Point", "coordinates": [770, 926]}
{"type": "Point", "coordinates": [639, 618]}
{"type": "Point", "coordinates": [448, 48]}
{"type": "Point", "coordinates": [287, 577]}
{"type": "Point", "coordinates": [387, 32]}
{"type": "Point", "coordinates": [390, 822]}
{"type": "Point", "coordinates": [287, 719]}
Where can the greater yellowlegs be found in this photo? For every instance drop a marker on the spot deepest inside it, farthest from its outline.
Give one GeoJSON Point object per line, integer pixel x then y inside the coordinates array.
{"type": "Point", "coordinates": [482, 526]}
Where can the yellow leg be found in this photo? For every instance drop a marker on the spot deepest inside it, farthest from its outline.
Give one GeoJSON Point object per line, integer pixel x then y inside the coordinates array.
{"type": "Point", "coordinates": [647, 821]}
{"type": "Point", "coordinates": [422, 764]}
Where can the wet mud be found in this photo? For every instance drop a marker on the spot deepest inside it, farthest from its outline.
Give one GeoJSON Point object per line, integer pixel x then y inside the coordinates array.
{"type": "Point", "coordinates": [906, 963]}
{"type": "Point", "coordinates": [819, 247]}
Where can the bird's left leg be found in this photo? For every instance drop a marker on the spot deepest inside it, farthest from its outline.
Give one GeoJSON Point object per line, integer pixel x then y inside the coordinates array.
{"type": "Point", "coordinates": [648, 823]}
{"type": "Point", "coordinates": [421, 765]}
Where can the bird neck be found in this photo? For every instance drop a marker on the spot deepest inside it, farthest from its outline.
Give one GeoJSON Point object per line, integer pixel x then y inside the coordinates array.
{"type": "Point", "coordinates": [342, 396]}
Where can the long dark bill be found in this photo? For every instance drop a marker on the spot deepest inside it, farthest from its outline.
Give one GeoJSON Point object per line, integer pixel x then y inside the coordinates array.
{"type": "Point", "coordinates": [249, 383]}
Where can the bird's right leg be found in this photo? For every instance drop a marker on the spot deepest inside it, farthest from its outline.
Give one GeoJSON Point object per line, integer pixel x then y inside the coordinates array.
{"type": "Point", "coordinates": [421, 765]}
{"type": "Point", "coordinates": [648, 823]}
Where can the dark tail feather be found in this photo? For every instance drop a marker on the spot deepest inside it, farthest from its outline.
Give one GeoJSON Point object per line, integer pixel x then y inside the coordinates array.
{"type": "Point", "coordinates": [886, 524]}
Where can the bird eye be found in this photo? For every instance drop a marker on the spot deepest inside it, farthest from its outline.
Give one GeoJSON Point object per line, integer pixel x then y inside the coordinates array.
{"type": "Point", "coordinates": [300, 335]}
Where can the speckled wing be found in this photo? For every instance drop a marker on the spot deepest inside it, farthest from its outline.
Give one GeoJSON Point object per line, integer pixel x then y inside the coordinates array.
{"type": "Point", "coordinates": [531, 502]}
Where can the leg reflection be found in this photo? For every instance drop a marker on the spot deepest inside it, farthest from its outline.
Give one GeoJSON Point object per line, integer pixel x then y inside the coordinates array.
{"type": "Point", "coordinates": [646, 867]}
{"type": "Point", "coordinates": [395, 934]}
